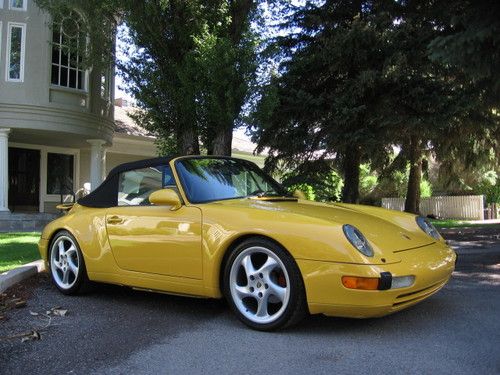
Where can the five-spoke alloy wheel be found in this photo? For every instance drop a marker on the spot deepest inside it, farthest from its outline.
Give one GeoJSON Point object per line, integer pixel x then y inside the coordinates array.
{"type": "Point", "coordinates": [67, 266]}
{"type": "Point", "coordinates": [263, 285]}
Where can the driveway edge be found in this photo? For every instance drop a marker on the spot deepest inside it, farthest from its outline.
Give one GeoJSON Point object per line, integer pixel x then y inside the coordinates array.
{"type": "Point", "coordinates": [16, 275]}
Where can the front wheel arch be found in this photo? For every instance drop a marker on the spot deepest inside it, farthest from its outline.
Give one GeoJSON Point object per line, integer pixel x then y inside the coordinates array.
{"type": "Point", "coordinates": [297, 305]}
{"type": "Point", "coordinates": [234, 244]}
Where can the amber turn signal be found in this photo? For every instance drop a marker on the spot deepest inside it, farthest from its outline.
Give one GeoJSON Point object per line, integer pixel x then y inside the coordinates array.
{"type": "Point", "coordinates": [365, 283]}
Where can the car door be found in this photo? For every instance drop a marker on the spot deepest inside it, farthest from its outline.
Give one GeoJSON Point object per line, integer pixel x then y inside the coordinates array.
{"type": "Point", "coordinates": [153, 239]}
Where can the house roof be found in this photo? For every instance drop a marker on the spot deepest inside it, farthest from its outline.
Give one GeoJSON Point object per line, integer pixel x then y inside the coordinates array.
{"type": "Point", "coordinates": [124, 124]}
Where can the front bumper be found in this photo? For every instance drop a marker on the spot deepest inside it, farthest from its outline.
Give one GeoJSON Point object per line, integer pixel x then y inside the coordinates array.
{"type": "Point", "coordinates": [431, 265]}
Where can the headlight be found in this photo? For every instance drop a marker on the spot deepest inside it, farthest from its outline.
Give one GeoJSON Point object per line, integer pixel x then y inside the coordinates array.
{"type": "Point", "coordinates": [427, 227]}
{"type": "Point", "coordinates": [357, 240]}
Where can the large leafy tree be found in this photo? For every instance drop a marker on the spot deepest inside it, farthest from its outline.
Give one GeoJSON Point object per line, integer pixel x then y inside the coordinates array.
{"type": "Point", "coordinates": [192, 70]}
{"type": "Point", "coordinates": [227, 61]}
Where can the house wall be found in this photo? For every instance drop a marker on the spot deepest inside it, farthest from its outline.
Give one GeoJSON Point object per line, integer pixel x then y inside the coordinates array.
{"type": "Point", "coordinates": [35, 114]}
{"type": "Point", "coordinates": [34, 103]}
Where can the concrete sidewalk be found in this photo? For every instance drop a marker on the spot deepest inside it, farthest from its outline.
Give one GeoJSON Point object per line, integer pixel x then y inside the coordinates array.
{"type": "Point", "coordinates": [16, 275]}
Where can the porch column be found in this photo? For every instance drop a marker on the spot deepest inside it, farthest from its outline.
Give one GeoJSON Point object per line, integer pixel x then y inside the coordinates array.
{"type": "Point", "coordinates": [97, 162]}
{"type": "Point", "coordinates": [4, 169]}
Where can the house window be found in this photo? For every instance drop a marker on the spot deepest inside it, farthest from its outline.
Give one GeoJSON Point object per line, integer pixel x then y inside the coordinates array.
{"type": "Point", "coordinates": [15, 52]}
{"type": "Point", "coordinates": [67, 44]}
{"type": "Point", "coordinates": [17, 4]}
{"type": "Point", "coordinates": [60, 175]}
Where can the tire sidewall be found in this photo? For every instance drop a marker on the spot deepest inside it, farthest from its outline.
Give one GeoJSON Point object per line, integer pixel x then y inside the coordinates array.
{"type": "Point", "coordinates": [296, 283]}
{"type": "Point", "coordinates": [82, 271]}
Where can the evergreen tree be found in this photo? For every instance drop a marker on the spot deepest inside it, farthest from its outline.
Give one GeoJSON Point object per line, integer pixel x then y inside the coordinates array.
{"type": "Point", "coordinates": [325, 101]}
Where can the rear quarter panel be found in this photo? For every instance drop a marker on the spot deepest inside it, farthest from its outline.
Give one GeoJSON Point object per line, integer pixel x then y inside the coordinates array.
{"type": "Point", "coordinates": [88, 227]}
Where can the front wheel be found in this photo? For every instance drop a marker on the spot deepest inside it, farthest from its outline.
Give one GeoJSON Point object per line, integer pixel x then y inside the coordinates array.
{"type": "Point", "coordinates": [263, 285]}
{"type": "Point", "coordinates": [67, 266]}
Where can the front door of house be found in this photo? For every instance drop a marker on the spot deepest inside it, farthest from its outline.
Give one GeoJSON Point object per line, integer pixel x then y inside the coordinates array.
{"type": "Point", "coordinates": [24, 179]}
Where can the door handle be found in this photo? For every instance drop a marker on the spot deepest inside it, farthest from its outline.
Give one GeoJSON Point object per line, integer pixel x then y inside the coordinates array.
{"type": "Point", "coordinates": [114, 220]}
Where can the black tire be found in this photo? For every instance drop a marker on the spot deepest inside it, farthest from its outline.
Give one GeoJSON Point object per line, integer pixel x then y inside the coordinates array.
{"type": "Point", "coordinates": [296, 305]}
{"type": "Point", "coordinates": [80, 283]}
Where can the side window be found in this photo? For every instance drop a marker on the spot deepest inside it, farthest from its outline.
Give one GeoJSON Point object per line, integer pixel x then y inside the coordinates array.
{"type": "Point", "coordinates": [134, 187]}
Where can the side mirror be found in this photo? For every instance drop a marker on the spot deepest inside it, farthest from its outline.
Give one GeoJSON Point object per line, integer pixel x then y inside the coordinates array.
{"type": "Point", "coordinates": [166, 197]}
{"type": "Point", "coordinates": [299, 194]}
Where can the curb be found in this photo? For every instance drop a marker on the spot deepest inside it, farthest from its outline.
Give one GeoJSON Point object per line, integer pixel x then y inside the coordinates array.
{"type": "Point", "coordinates": [12, 277]}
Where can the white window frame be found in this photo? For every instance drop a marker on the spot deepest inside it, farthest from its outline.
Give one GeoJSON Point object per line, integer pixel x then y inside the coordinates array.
{"type": "Point", "coordinates": [10, 26]}
{"type": "Point", "coordinates": [59, 65]}
{"type": "Point", "coordinates": [23, 9]}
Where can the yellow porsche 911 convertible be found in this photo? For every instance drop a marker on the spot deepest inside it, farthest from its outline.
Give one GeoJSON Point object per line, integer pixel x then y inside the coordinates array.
{"type": "Point", "coordinates": [219, 227]}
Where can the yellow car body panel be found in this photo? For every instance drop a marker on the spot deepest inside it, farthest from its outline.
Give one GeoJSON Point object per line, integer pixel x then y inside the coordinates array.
{"type": "Point", "coordinates": [182, 251]}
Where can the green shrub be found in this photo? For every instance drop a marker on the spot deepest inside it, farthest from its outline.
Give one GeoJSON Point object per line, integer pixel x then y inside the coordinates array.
{"type": "Point", "coordinates": [490, 187]}
{"type": "Point", "coordinates": [307, 189]}
{"type": "Point", "coordinates": [425, 189]}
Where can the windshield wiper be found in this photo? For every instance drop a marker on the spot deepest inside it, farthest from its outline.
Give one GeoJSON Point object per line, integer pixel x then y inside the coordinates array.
{"type": "Point", "coordinates": [259, 193]}
{"type": "Point", "coordinates": [268, 193]}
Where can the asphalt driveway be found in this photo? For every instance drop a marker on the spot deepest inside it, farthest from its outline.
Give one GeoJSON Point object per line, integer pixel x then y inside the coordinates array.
{"type": "Point", "coordinates": [116, 330]}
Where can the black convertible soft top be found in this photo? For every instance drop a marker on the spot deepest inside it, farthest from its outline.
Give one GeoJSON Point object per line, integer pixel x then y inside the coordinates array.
{"type": "Point", "coordinates": [106, 194]}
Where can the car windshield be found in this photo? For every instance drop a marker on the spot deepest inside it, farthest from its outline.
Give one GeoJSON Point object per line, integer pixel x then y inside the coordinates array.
{"type": "Point", "coordinates": [212, 179]}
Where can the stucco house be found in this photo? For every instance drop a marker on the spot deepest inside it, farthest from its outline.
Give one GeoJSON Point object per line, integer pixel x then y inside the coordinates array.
{"type": "Point", "coordinates": [57, 130]}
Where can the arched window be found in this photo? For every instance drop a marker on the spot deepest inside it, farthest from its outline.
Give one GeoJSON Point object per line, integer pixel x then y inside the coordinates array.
{"type": "Point", "coordinates": [68, 43]}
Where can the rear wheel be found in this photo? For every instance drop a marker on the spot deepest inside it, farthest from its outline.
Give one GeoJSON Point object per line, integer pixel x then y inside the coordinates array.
{"type": "Point", "coordinates": [263, 285]}
{"type": "Point", "coordinates": [67, 266]}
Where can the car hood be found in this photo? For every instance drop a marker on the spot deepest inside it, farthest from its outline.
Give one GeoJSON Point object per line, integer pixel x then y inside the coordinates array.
{"type": "Point", "coordinates": [391, 231]}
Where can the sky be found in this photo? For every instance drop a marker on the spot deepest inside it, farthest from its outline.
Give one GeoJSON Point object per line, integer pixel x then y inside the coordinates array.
{"type": "Point", "coordinates": [121, 46]}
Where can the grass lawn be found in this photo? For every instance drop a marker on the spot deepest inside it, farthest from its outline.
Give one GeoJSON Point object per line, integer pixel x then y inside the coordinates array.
{"type": "Point", "coordinates": [448, 223]}
{"type": "Point", "coordinates": [17, 249]}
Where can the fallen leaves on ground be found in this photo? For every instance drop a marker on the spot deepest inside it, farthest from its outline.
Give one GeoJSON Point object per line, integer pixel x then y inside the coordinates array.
{"type": "Point", "coordinates": [7, 303]}
{"type": "Point", "coordinates": [59, 312]}
{"type": "Point", "coordinates": [34, 333]}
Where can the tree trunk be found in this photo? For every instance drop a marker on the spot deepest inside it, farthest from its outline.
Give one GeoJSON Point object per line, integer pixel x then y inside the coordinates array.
{"type": "Point", "coordinates": [187, 141]}
{"type": "Point", "coordinates": [412, 202]}
{"type": "Point", "coordinates": [221, 144]}
{"type": "Point", "coordinates": [350, 169]}
{"type": "Point", "coordinates": [240, 10]}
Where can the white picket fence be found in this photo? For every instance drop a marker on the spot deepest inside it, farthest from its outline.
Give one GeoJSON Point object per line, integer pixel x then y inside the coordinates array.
{"type": "Point", "coordinates": [466, 207]}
